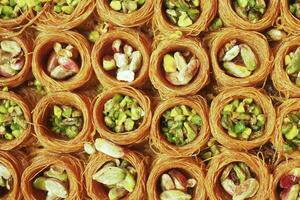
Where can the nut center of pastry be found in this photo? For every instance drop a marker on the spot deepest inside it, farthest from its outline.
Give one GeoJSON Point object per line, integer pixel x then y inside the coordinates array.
{"type": "Point", "coordinates": [290, 130]}
{"type": "Point", "coordinates": [66, 121]}
{"type": "Point", "coordinates": [238, 59]}
{"type": "Point", "coordinates": [119, 176]}
{"type": "Point", "coordinates": [180, 67]}
{"type": "Point", "coordinates": [126, 6]}
{"type": "Point", "coordinates": [11, 58]}
{"type": "Point", "coordinates": [250, 10]}
{"type": "Point", "coordinates": [12, 120]}
{"type": "Point", "coordinates": [243, 119]}
{"type": "Point", "coordinates": [289, 185]}
{"type": "Point", "coordinates": [182, 13]}
{"type": "Point", "coordinates": [123, 114]}
{"type": "Point", "coordinates": [53, 182]}
{"type": "Point", "coordinates": [174, 184]}
{"type": "Point", "coordinates": [63, 61]}
{"type": "Point", "coordinates": [181, 125]}
{"type": "Point", "coordinates": [124, 62]}
{"type": "Point", "coordinates": [238, 181]}
{"type": "Point", "coordinates": [292, 66]}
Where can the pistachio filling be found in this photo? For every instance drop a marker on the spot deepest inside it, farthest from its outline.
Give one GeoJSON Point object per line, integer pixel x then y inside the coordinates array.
{"type": "Point", "coordinates": [62, 62]}
{"type": "Point", "coordinates": [290, 130]}
{"type": "Point", "coordinates": [211, 150]}
{"type": "Point", "coordinates": [243, 119]}
{"type": "Point", "coordinates": [6, 180]}
{"type": "Point", "coordinates": [12, 120]}
{"type": "Point", "coordinates": [176, 185]}
{"type": "Point", "coordinates": [65, 6]}
{"type": "Point", "coordinates": [10, 9]}
{"type": "Point", "coordinates": [11, 58]}
{"type": "Point", "coordinates": [119, 176]}
{"type": "Point", "coordinates": [292, 66]}
{"type": "Point", "coordinates": [126, 6]}
{"type": "Point", "coordinates": [100, 29]}
{"type": "Point", "coordinates": [36, 5]}
{"type": "Point", "coordinates": [180, 67]}
{"type": "Point", "coordinates": [238, 181]}
{"type": "Point", "coordinates": [289, 185]}
{"type": "Point", "coordinates": [238, 60]}
{"type": "Point", "coordinates": [295, 8]}
{"type": "Point", "coordinates": [182, 13]}
{"type": "Point", "coordinates": [250, 10]}
{"type": "Point", "coordinates": [66, 121]}
{"type": "Point", "coordinates": [125, 61]}
{"type": "Point", "coordinates": [59, 6]}
{"type": "Point", "coordinates": [216, 24]}
{"type": "Point", "coordinates": [53, 181]}
{"type": "Point", "coordinates": [105, 146]}
{"type": "Point", "coordinates": [275, 34]}
{"type": "Point", "coordinates": [181, 125]}
{"type": "Point", "coordinates": [122, 114]}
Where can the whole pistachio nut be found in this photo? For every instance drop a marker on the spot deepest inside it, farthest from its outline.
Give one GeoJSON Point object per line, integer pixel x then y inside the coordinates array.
{"type": "Point", "coordinates": [248, 57]}
{"type": "Point", "coordinates": [11, 47]}
{"type": "Point", "coordinates": [89, 148]}
{"type": "Point", "coordinates": [246, 190]}
{"type": "Point", "coordinates": [276, 34]}
{"type": "Point", "coordinates": [229, 186]}
{"type": "Point", "coordinates": [236, 70]}
{"type": "Point", "coordinates": [56, 187]}
{"type": "Point", "coordinates": [174, 195]}
{"type": "Point", "coordinates": [110, 175]}
{"type": "Point", "coordinates": [4, 172]}
{"type": "Point", "coordinates": [39, 183]}
{"type": "Point", "coordinates": [109, 148]}
{"type": "Point", "coordinates": [128, 182]}
{"type": "Point", "coordinates": [232, 53]}
{"type": "Point", "coordinates": [57, 173]}
{"type": "Point", "coordinates": [116, 193]}
{"type": "Point", "coordinates": [167, 182]}
{"type": "Point", "coordinates": [169, 63]}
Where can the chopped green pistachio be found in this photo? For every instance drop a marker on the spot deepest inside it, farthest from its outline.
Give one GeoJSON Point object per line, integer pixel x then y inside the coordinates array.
{"type": "Point", "coordinates": [292, 64]}
{"type": "Point", "coordinates": [57, 173]}
{"type": "Point", "coordinates": [39, 183]}
{"type": "Point", "coordinates": [182, 13]}
{"type": "Point", "coordinates": [12, 120]}
{"type": "Point", "coordinates": [128, 182]}
{"type": "Point", "coordinates": [243, 119]}
{"type": "Point", "coordinates": [66, 121]}
{"type": "Point", "coordinates": [290, 130]}
{"type": "Point", "coordinates": [216, 24]}
{"type": "Point", "coordinates": [239, 172]}
{"type": "Point", "coordinates": [250, 10]}
{"type": "Point", "coordinates": [294, 8]}
{"type": "Point", "coordinates": [180, 125]}
{"type": "Point", "coordinates": [126, 6]}
{"type": "Point", "coordinates": [122, 113]}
